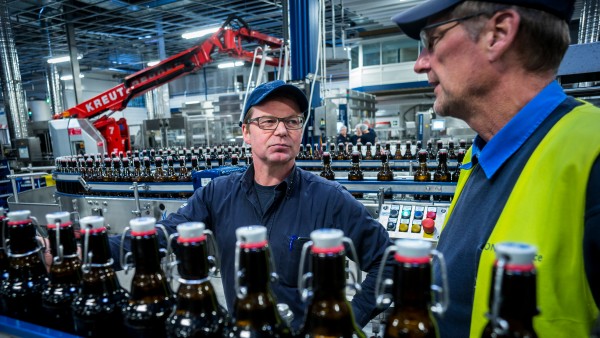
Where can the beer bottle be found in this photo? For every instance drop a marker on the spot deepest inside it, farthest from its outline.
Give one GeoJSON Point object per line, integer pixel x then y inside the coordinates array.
{"type": "Point", "coordinates": [4, 262]}
{"type": "Point", "coordinates": [459, 159]}
{"type": "Point", "coordinates": [377, 155]}
{"type": "Point", "coordinates": [408, 153]}
{"type": "Point", "coordinates": [21, 292]}
{"type": "Point", "coordinates": [97, 310]}
{"type": "Point", "coordinates": [317, 152]}
{"type": "Point", "coordinates": [462, 143]}
{"type": "Point", "coordinates": [184, 176]}
{"type": "Point", "coordinates": [195, 166]}
{"type": "Point", "coordinates": [136, 175]}
{"type": "Point", "coordinates": [150, 296]}
{"type": "Point", "coordinates": [451, 152]}
{"type": "Point", "coordinates": [255, 311]}
{"type": "Point", "coordinates": [159, 172]}
{"type": "Point", "coordinates": [341, 152]}
{"type": "Point", "coordinates": [411, 315]}
{"type": "Point", "coordinates": [197, 312]}
{"type": "Point", "coordinates": [359, 150]}
{"type": "Point", "coordinates": [513, 302]}
{"type": "Point", "coordinates": [442, 174]}
{"type": "Point", "coordinates": [207, 160]}
{"type": "Point", "coordinates": [419, 147]}
{"type": "Point", "coordinates": [308, 152]}
{"type": "Point", "coordinates": [235, 160]}
{"type": "Point", "coordinates": [355, 174]}
{"type": "Point", "coordinates": [126, 170]}
{"type": "Point", "coordinates": [385, 174]}
{"type": "Point", "coordinates": [422, 173]}
{"type": "Point", "coordinates": [300, 155]}
{"type": "Point", "coordinates": [65, 273]}
{"type": "Point", "coordinates": [430, 152]}
{"type": "Point", "coordinates": [327, 173]}
{"type": "Point", "coordinates": [332, 150]}
{"type": "Point", "coordinates": [398, 152]}
{"type": "Point", "coordinates": [329, 314]}
{"type": "Point", "coordinates": [171, 175]}
{"type": "Point", "coordinates": [147, 173]}
{"type": "Point", "coordinates": [439, 145]}
{"type": "Point", "coordinates": [369, 153]}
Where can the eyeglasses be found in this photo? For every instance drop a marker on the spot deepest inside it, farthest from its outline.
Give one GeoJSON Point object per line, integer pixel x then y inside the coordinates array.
{"type": "Point", "coordinates": [271, 122]}
{"type": "Point", "coordinates": [430, 41]}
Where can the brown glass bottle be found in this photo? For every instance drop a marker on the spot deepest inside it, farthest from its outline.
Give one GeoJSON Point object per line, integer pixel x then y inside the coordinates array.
{"type": "Point", "coordinates": [171, 175]}
{"type": "Point", "coordinates": [512, 309]}
{"type": "Point", "coordinates": [442, 174]}
{"type": "Point", "coordinates": [377, 154]}
{"type": "Point", "coordinates": [150, 296]}
{"type": "Point", "coordinates": [147, 172]}
{"type": "Point", "coordinates": [197, 312]}
{"type": "Point", "coordinates": [65, 273]}
{"type": "Point", "coordinates": [408, 153]}
{"type": "Point", "coordinates": [422, 173]}
{"type": "Point", "coordinates": [460, 156]}
{"type": "Point", "coordinates": [4, 262]}
{"type": "Point", "coordinates": [355, 174]}
{"type": "Point", "coordinates": [411, 315]}
{"type": "Point", "coordinates": [329, 314]}
{"type": "Point", "coordinates": [369, 152]}
{"type": "Point", "coordinates": [398, 152]}
{"type": "Point", "coordinates": [431, 153]}
{"type": "Point", "coordinates": [255, 311]}
{"type": "Point", "coordinates": [451, 152]}
{"type": "Point", "coordinates": [97, 310]}
{"type": "Point", "coordinates": [21, 292]}
{"type": "Point", "coordinates": [327, 173]}
{"type": "Point", "coordinates": [341, 153]}
{"type": "Point", "coordinates": [300, 155]}
{"type": "Point", "coordinates": [385, 174]}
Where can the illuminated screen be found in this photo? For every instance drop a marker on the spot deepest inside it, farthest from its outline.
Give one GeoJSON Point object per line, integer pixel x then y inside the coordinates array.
{"type": "Point", "coordinates": [438, 124]}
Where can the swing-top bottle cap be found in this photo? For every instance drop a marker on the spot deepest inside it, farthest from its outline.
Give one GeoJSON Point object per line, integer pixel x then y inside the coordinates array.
{"type": "Point", "coordinates": [19, 215]}
{"type": "Point", "coordinates": [517, 253]}
{"type": "Point", "coordinates": [59, 216]}
{"type": "Point", "coordinates": [190, 230]}
{"type": "Point", "coordinates": [251, 234]}
{"type": "Point", "coordinates": [91, 222]}
{"type": "Point", "coordinates": [142, 224]}
{"type": "Point", "coordinates": [413, 248]}
{"type": "Point", "coordinates": [327, 238]}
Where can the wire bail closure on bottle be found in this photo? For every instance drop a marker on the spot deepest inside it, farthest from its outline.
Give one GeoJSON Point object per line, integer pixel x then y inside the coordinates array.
{"type": "Point", "coordinates": [334, 235]}
{"type": "Point", "coordinates": [213, 261]}
{"type": "Point", "coordinates": [440, 303]}
{"type": "Point", "coordinates": [124, 258]}
{"type": "Point", "coordinates": [88, 255]}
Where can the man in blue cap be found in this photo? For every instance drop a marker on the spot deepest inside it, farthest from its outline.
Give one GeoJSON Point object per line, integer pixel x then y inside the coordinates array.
{"type": "Point", "coordinates": [289, 201]}
{"type": "Point", "coordinates": [533, 172]}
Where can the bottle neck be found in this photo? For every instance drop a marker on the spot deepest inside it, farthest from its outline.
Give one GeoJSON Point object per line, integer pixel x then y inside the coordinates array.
{"type": "Point", "coordinates": [193, 260]}
{"type": "Point", "coordinates": [98, 246]}
{"type": "Point", "coordinates": [22, 237]}
{"type": "Point", "coordinates": [67, 240]}
{"type": "Point", "coordinates": [518, 292]}
{"type": "Point", "coordinates": [254, 265]}
{"type": "Point", "coordinates": [329, 274]}
{"type": "Point", "coordinates": [412, 285]}
{"type": "Point", "coordinates": [145, 253]}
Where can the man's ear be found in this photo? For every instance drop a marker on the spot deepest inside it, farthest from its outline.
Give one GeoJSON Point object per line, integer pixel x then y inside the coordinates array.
{"type": "Point", "coordinates": [500, 33]}
{"type": "Point", "coordinates": [246, 133]}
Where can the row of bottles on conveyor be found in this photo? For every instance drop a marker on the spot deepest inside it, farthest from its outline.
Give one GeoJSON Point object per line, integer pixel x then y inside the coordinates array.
{"type": "Point", "coordinates": [369, 151]}
{"type": "Point", "coordinates": [84, 296]}
{"type": "Point", "coordinates": [145, 166]}
{"type": "Point", "coordinates": [421, 174]}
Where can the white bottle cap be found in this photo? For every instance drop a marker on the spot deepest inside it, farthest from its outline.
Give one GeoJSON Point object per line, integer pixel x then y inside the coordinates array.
{"type": "Point", "coordinates": [91, 222]}
{"type": "Point", "coordinates": [251, 234]}
{"type": "Point", "coordinates": [142, 224]}
{"type": "Point", "coordinates": [327, 238]}
{"type": "Point", "coordinates": [190, 230]}
{"type": "Point", "coordinates": [59, 216]}
{"type": "Point", "coordinates": [413, 248]}
{"type": "Point", "coordinates": [19, 215]}
{"type": "Point", "coordinates": [517, 253]}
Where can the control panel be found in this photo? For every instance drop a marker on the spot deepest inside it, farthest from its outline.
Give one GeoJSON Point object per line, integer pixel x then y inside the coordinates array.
{"type": "Point", "coordinates": [406, 219]}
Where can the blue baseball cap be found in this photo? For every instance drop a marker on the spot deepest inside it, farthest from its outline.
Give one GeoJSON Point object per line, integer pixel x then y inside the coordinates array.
{"type": "Point", "coordinates": [413, 20]}
{"type": "Point", "coordinates": [271, 89]}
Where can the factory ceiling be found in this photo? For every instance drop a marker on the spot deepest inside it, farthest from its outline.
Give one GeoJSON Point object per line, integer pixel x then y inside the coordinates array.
{"type": "Point", "coordinates": [118, 37]}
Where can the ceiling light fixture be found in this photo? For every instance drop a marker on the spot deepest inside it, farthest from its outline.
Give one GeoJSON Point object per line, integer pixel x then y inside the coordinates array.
{"type": "Point", "coordinates": [199, 33]}
{"type": "Point", "coordinates": [153, 63]}
{"type": "Point", "coordinates": [230, 64]}
{"type": "Point", "coordinates": [70, 77]}
{"type": "Point", "coordinates": [60, 59]}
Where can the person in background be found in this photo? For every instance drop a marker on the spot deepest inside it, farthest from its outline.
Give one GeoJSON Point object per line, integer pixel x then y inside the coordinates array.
{"type": "Point", "coordinates": [371, 129]}
{"type": "Point", "coordinates": [289, 201]}
{"type": "Point", "coordinates": [343, 136]}
{"type": "Point", "coordinates": [355, 138]}
{"type": "Point", "coordinates": [366, 136]}
{"type": "Point", "coordinates": [533, 172]}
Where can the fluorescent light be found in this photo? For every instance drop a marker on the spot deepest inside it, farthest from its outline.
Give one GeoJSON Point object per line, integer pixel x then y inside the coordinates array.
{"type": "Point", "coordinates": [153, 63]}
{"type": "Point", "coordinates": [70, 77]}
{"type": "Point", "coordinates": [192, 102]}
{"type": "Point", "coordinates": [230, 64]}
{"type": "Point", "coordinates": [60, 59]}
{"type": "Point", "coordinates": [199, 33]}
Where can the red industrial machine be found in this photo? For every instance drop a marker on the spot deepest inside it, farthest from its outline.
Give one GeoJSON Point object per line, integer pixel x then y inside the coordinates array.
{"type": "Point", "coordinates": [228, 39]}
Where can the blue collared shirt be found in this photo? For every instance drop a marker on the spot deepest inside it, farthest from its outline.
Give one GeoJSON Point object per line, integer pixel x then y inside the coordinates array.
{"type": "Point", "coordinates": [493, 154]}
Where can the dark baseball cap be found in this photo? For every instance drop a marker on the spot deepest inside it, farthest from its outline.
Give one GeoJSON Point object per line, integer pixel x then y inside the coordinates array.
{"type": "Point", "coordinates": [272, 89]}
{"type": "Point", "coordinates": [413, 20]}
